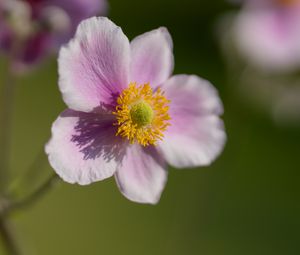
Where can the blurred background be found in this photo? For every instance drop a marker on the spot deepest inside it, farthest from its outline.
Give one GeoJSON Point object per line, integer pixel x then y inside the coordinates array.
{"type": "Point", "coordinates": [246, 202]}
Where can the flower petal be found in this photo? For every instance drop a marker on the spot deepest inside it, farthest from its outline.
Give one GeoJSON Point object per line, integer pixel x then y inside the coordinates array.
{"type": "Point", "coordinates": [94, 66]}
{"type": "Point", "coordinates": [196, 135]}
{"type": "Point", "coordinates": [152, 57]}
{"type": "Point", "coordinates": [269, 39]}
{"type": "Point", "coordinates": [142, 176]}
{"type": "Point", "coordinates": [83, 147]}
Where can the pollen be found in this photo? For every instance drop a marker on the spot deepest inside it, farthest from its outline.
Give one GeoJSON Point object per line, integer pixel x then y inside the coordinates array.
{"type": "Point", "coordinates": [142, 114]}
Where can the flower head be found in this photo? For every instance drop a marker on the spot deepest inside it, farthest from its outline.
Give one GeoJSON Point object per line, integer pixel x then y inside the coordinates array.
{"type": "Point", "coordinates": [126, 116]}
{"type": "Point", "coordinates": [31, 29]}
{"type": "Point", "coordinates": [267, 34]}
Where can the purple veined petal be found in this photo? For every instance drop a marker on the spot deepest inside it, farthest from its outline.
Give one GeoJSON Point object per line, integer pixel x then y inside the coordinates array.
{"type": "Point", "coordinates": [269, 38]}
{"type": "Point", "coordinates": [141, 177]}
{"type": "Point", "coordinates": [83, 147]}
{"type": "Point", "coordinates": [196, 135]}
{"type": "Point", "coordinates": [94, 66]}
{"type": "Point", "coordinates": [152, 58]}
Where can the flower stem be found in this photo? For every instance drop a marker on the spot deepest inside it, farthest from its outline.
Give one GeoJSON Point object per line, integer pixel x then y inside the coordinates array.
{"type": "Point", "coordinates": [6, 122]}
{"type": "Point", "coordinates": [27, 182]}
{"type": "Point", "coordinates": [8, 207]}
{"type": "Point", "coordinates": [35, 196]}
{"type": "Point", "coordinates": [7, 234]}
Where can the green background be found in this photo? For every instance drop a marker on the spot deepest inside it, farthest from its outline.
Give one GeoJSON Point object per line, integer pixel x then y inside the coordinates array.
{"type": "Point", "coordinates": [245, 203]}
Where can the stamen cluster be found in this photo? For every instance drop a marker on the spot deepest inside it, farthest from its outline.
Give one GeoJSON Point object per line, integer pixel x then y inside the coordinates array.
{"type": "Point", "coordinates": [142, 115]}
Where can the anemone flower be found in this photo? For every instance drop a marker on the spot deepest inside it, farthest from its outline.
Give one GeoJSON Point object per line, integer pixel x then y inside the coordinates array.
{"type": "Point", "coordinates": [267, 34]}
{"type": "Point", "coordinates": [126, 116]}
{"type": "Point", "coordinates": [31, 29]}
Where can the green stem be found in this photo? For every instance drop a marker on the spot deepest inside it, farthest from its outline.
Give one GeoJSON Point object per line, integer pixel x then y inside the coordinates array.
{"type": "Point", "coordinates": [26, 182]}
{"type": "Point", "coordinates": [7, 234]}
{"type": "Point", "coordinates": [35, 196]}
{"type": "Point", "coordinates": [6, 122]}
{"type": "Point", "coordinates": [8, 207]}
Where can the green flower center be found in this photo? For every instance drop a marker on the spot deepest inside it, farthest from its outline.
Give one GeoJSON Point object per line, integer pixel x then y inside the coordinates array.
{"type": "Point", "coordinates": [141, 114]}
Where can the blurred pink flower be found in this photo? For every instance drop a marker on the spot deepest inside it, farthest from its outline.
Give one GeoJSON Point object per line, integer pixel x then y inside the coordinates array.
{"type": "Point", "coordinates": [127, 117]}
{"type": "Point", "coordinates": [31, 29]}
{"type": "Point", "coordinates": [267, 33]}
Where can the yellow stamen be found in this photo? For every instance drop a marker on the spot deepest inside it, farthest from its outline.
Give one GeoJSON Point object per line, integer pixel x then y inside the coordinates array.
{"type": "Point", "coordinates": [142, 115]}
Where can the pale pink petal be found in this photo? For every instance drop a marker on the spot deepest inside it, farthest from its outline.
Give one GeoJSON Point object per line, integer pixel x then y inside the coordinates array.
{"type": "Point", "coordinates": [94, 66]}
{"type": "Point", "coordinates": [83, 147]}
{"type": "Point", "coordinates": [196, 135]}
{"type": "Point", "coordinates": [269, 38]}
{"type": "Point", "coordinates": [142, 176]}
{"type": "Point", "coordinates": [152, 57]}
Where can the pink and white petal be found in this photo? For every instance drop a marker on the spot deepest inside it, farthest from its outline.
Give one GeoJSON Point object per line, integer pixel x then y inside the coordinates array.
{"type": "Point", "coordinates": [196, 135]}
{"type": "Point", "coordinates": [141, 177]}
{"type": "Point", "coordinates": [83, 148]}
{"type": "Point", "coordinates": [269, 39]}
{"type": "Point", "coordinates": [94, 66]}
{"type": "Point", "coordinates": [197, 145]}
{"type": "Point", "coordinates": [152, 58]}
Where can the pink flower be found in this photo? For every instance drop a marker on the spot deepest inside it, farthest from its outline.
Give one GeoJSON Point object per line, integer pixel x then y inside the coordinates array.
{"type": "Point", "coordinates": [267, 33]}
{"type": "Point", "coordinates": [32, 29]}
{"type": "Point", "coordinates": [127, 117]}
